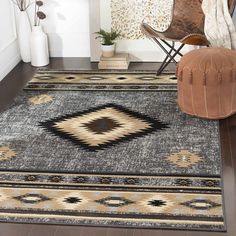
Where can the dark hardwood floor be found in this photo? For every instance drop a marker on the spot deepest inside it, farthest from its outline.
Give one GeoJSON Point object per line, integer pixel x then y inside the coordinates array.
{"type": "Point", "coordinates": [16, 80]}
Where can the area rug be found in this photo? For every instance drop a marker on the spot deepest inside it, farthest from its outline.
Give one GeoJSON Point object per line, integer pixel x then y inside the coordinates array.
{"type": "Point", "coordinates": [109, 158]}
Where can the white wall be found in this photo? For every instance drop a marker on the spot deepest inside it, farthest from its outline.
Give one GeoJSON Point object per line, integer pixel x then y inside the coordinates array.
{"type": "Point", "coordinates": [67, 25]}
{"type": "Point", "coordinates": [9, 54]}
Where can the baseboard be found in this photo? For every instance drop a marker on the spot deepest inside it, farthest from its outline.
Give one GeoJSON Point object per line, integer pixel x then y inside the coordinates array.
{"type": "Point", "coordinates": [11, 62]}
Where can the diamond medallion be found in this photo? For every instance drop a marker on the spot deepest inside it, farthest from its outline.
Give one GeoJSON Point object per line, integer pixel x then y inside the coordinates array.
{"type": "Point", "coordinates": [103, 126]}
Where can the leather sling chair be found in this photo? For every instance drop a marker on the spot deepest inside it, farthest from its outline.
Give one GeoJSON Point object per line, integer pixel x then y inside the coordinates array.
{"type": "Point", "coordinates": [186, 27]}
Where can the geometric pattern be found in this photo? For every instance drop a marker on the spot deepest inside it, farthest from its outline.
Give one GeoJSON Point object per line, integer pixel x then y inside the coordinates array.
{"type": "Point", "coordinates": [157, 190]}
{"type": "Point", "coordinates": [184, 159]}
{"type": "Point", "coordinates": [55, 179]}
{"type": "Point", "coordinates": [99, 81]}
{"type": "Point", "coordinates": [6, 153]}
{"type": "Point", "coordinates": [183, 182]}
{"type": "Point", "coordinates": [132, 207]}
{"type": "Point", "coordinates": [211, 183]}
{"type": "Point", "coordinates": [103, 126]}
{"type": "Point", "coordinates": [31, 178]}
{"type": "Point", "coordinates": [71, 200]}
{"type": "Point", "coordinates": [32, 198]}
{"type": "Point", "coordinates": [201, 204]}
{"type": "Point", "coordinates": [158, 203]}
{"type": "Point", "coordinates": [112, 180]}
{"type": "Point", "coordinates": [114, 201]}
{"type": "Point", "coordinates": [40, 99]}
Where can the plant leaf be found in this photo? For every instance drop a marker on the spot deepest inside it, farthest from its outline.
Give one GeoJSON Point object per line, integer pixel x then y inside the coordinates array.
{"type": "Point", "coordinates": [107, 38]}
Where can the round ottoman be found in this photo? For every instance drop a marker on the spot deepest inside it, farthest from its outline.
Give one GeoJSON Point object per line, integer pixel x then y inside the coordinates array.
{"type": "Point", "coordinates": [207, 83]}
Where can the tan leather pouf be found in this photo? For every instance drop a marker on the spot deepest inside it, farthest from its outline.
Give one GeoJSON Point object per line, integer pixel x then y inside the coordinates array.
{"type": "Point", "coordinates": [207, 83]}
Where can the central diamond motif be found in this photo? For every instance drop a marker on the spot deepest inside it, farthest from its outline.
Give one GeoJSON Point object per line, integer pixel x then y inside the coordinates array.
{"type": "Point", "coordinates": [103, 126]}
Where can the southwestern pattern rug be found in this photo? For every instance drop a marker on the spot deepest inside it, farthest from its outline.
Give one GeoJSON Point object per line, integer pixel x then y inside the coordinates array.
{"type": "Point", "coordinates": [108, 158]}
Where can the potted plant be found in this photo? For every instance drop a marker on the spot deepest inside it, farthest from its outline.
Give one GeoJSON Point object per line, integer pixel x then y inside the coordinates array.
{"type": "Point", "coordinates": [107, 42]}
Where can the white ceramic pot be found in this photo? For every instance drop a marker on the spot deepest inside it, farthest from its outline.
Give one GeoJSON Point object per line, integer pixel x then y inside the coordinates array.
{"type": "Point", "coordinates": [39, 47]}
{"type": "Point", "coordinates": [108, 50]}
{"type": "Point", "coordinates": [23, 34]}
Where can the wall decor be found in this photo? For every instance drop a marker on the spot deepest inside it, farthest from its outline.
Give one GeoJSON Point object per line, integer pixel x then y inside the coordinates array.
{"type": "Point", "coordinates": [127, 15]}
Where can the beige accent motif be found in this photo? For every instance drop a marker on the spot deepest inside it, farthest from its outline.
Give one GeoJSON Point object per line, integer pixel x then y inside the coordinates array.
{"type": "Point", "coordinates": [184, 159]}
{"type": "Point", "coordinates": [6, 153]}
{"type": "Point", "coordinates": [127, 16]}
{"type": "Point", "coordinates": [41, 99]}
{"type": "Point", "coordinates": [90, 201]}
{"type": "Point", "coordinates": [126, 125]}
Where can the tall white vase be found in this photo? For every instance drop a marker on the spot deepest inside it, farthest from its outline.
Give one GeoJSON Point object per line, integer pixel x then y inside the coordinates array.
{"type": "Point", "coordinates": [23, 33]}
{"type": "Point", "coordinates": [39, 47]}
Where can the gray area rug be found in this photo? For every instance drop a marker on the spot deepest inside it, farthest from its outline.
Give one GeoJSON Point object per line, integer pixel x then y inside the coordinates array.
{"type": "Point", "coordinates": [109, 158]}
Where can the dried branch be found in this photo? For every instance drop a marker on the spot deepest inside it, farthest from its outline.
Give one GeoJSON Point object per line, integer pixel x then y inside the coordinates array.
{"type": "Point", "coordinates": [22, 4]}
{"type": "Point", "coordinates": [38, 15]}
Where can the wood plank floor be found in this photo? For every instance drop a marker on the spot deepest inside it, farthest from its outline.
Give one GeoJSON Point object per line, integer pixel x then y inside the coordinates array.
{"type": "Point", "coordinates": [16, 80]}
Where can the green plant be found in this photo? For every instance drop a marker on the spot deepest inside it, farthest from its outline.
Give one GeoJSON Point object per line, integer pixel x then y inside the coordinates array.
{"type": "Point", "coordinates": [107, 38]}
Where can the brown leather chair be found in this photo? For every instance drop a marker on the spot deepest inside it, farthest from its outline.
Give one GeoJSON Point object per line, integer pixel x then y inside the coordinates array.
{"type": "Point", "coordinates": [187, 27]}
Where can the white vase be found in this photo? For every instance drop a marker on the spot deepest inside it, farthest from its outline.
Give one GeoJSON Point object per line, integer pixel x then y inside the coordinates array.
{"type": "Point", "coordinates": [108, 50]}
{"type": "Point", "coordinates": [23, 33]}
{"type": "Point", "coordinates": [39, 47]}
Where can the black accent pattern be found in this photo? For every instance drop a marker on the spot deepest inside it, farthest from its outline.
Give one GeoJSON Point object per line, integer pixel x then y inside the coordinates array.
{"type": "Point", "coordinates": [32, 178]}
{"type": "Point", "coordinates": [157, 203]}
{"type": "Point", "coordinates": [80, 179]}
{"type": "Point", "coordinates": [72, 200]}
{"type": "Point", "coordinates": [201, 204]}
{"type": "Point", "coordinates": [153, 125]}
{"type": "Point", "coordinates": [102, 125]}
{"type": "Point", "coordinates": [114, 201]}
{"type": "Point", "coordinates": [105, 180]}
{"type": "Point", "coordinates": [70, 77]}
{"type": "Point", "coordinates": [122, 180]}
{"type": "Point", "coordinates": [100, 87]}
{"type": "Point", "coordinates": [183, 182]}
{"type": "Point", "coordinates": [122, 78]}
{"type": "Point", "coordinates": [131, 181]}
{"type": "Point", "coordinates": [32, 198]}
{"type": "Point", "coordinates": [55, 178]}
{"type": "Point", "coordinates": [211, 183]}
